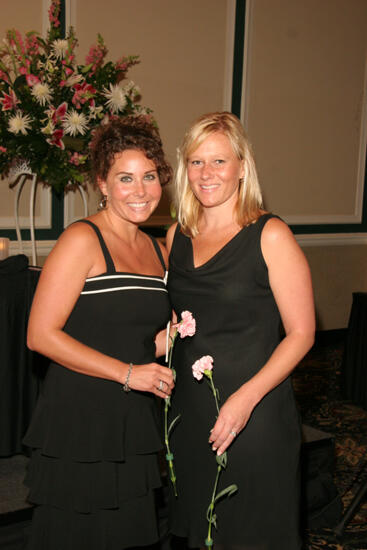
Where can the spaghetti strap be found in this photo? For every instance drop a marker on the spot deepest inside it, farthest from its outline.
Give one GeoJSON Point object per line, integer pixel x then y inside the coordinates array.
{"type": "Point", "coordinates": [159, 252]}
{"type": "Point", "coordinates": [110, 266]}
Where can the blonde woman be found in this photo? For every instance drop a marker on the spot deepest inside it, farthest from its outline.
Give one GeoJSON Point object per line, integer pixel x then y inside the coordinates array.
{"type": "Point", "coordinates": [239, 270]}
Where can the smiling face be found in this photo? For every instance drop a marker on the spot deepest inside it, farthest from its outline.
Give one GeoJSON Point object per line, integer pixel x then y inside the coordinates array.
{"type": "Point", "coordinates": [132, 186]}
{"type": "Point", "coordinates": [214, 171]}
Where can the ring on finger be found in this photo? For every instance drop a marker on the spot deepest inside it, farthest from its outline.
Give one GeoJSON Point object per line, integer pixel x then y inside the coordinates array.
{"type": "Point", "coordinates": [233, 433]}
{"type": "Point", "coordinates": [160, 387]}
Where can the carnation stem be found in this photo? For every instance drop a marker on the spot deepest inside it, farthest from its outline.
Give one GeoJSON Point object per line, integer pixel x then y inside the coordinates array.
{"type": "Point", "coordinates": [209, 374]}
{"type": "Point", "coordinates": [169, 455]}
{"type": "Point", "coordinates": [209, 540]}
{"type": "Point", "coordinates": [167, 404]}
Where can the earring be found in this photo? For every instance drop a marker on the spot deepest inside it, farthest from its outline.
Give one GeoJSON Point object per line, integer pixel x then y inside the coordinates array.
{"type": "Point", "coordinates": [102, 205]}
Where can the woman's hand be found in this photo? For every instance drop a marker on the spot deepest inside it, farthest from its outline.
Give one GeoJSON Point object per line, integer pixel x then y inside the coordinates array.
{"type": "Point", "coordinates": [152, 378]}
{"type": "Point", "coordinates": [233, 417]}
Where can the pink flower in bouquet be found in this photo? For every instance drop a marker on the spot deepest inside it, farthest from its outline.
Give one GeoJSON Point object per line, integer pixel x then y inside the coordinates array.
{"type": "Point", "coordinates": [9, 101]}
{"type": "Point", "coordinates": [54, 13]}
{"type": "Point", "coordinates": [32, 79]}
{"type": "Point", "coordinates": [77, 159]}
{"type": "Point", "coordinates": [3, 76]}
{"type": "Point", "coordinates": [58, 114]}
{"type": "Point", "coordinates": [187, 326]}
{"type": "Point", "coordinates": [83, 93]}
{"type": "Point", "coordinates": [3, 149]}
{"type": "Point", "coordinates": [31, 44]}
{"type": "Point", "coordinates": [202, 366]}
{"type": "Point", "coordinates": [56, 139]}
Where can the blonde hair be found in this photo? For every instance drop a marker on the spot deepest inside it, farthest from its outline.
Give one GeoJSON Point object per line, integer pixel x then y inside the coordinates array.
{"type": "Point", "coordinates": [249, 202]}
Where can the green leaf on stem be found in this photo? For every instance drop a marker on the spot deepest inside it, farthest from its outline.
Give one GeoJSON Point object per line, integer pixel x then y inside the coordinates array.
{"type": "Point", "coordinates": [173, 424]}
{"type": "Point", "coordinates": [222, 459]}
{"type": "Point", "coordinates": [211, 518]}
{"type": "Point", "coordinates": [228, 491]}
{"type": "Point", "coordinates": [214, 520]}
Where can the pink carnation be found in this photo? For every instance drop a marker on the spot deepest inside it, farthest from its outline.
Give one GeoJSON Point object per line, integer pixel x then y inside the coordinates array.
{"type": "Point", "coordinates": [203, 364]}
{"type": "Point", "coordinates": [3, 149]}
{"type": "Point", "coordinates": [187, 326]}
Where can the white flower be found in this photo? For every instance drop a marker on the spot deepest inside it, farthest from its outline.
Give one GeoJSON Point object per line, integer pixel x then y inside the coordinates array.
{"type": "Point", "coordinates": [42, 93]}
{"type": "Point", "coordinates": [95, 112]}
{"type": "Point", "coordinates": [49, 128]}
{"type": "Point", "coordinates": [19, 123]}
{"type": "Point", "coordinates": [50, 65]}
{"type": "Point", "coordinates": [75, 123]}
{"type": "Point", "coordinates": [59, 48]}
{"type": "Point", "coordinates": [7, 61]}
{"type": "Point", "coordinates": [136, 90]}
{"type": "Point", "coordinates": [116, 100]}
{"type": "Point", "coordinates": [129, 86]}
{"type": "Point", "coordinates": [73, 79]}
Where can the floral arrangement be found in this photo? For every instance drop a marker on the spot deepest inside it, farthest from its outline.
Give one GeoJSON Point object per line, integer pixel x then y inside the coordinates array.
{"type": "Point", "coordinates": [204, 367]}
{"type": "Point", "coordinates": [50, 105]}
{"type": "Point", "coordinates": [186, 327]}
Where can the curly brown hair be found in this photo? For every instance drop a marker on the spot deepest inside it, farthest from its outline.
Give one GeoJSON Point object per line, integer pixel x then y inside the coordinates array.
{"type": "Point", "coordinates": [121, 134]}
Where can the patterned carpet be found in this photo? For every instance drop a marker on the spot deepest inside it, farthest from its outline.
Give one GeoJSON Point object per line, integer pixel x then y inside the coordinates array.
{"type": "Point", "coordinates": [317, 387]}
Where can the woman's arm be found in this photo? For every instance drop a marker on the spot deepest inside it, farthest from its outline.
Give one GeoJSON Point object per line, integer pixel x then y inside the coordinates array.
{"type": "Point", "coordinates": [290, 281]}
{"type": "Point", "coordinates": [160, 341]}
{"type": "Point", "coordinates": [61, 281]}
{"type": "Point", "coordinates": [161, 338]}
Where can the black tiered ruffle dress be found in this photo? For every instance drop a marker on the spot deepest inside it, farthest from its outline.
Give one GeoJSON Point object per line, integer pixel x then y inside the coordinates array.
{"type": "Point", "coordinates": [94, 463]}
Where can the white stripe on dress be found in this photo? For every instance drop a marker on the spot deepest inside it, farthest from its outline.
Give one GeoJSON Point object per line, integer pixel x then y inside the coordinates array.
{"type": "Point", "coordinates": [104, 277]}
{"type": "Point", "coordinates": [123, 288]}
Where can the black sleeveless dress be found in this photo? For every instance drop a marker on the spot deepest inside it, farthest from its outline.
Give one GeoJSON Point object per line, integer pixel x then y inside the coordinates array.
{"type": "Point", "coordinates": [238, 324]}
{"type": "Point", "coordinates": [94, 463]}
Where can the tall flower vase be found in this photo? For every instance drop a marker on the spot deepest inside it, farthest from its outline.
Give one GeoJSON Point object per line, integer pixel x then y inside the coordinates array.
{"type": "Point", "coordinates": [19, 182]}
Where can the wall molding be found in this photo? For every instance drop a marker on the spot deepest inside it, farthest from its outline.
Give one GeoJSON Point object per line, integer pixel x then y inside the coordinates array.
{"type": "Point", "coordinates": [245, 93]}
{"type": "Point", "coordinates": [228, 61]}
{"type": "Point", "coordinates": [42, 220]}
{"type": "Point", "coordinates": [359, 213]}
{"type": "Point", "coordinates": [323, 219]}
{"type": "Point", "coordinates": [332, 239]}
{"type": "Point", "coordinates": [43, 248]}
{"type": "Point", "coordinates": [70, 14]}
{"type": "Point", "coordinates": [314, 240]}
{"type": "Point", "coordinates": [45, 22]}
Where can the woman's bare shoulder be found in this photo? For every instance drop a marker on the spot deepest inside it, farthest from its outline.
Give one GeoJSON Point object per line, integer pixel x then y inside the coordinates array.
{"type": "Point", "coordinates": [170, 235]}
{"type": "Point", "coordinates": [274, 230]}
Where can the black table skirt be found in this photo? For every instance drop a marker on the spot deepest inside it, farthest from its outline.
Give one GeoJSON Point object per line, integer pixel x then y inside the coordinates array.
{"type": "Point", "coordinates": [21, 370]}
{"type": "Point", "coordinates": [354, 368]}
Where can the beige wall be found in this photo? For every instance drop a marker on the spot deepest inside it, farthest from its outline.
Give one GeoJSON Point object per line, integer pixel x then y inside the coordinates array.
{"type": "Point", "coordinates": [303, 98]}
{"type": "Point", "coordinates": [304, 106]}
{"type": "Point", "coordinates": [303, 103]}
{"type": "Point", "coordinates": [337, 272]}
{"type": "Point", "coordinates": [182, 51]}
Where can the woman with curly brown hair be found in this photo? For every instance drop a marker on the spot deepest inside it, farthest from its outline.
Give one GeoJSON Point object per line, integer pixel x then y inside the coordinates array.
{"type": "Point", "coordinates": [100, 302]}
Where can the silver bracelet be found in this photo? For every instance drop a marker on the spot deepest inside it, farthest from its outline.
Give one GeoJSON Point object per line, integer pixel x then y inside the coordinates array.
{"type": "Point", "coordinates": [126, 386]}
